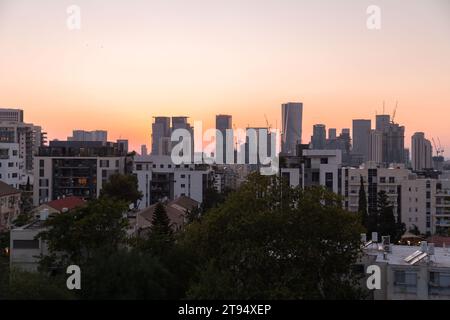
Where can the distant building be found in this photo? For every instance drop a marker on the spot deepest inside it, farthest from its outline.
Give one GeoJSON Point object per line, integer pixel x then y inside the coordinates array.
{"type": "Point", "coordinates": [28, 136]}
{"type": "Point", "coordinates": [144, 151]}
{"type": "Point", "coordinates": [82, 135]}
{"type": "Point", "coordinates": [319, 137]}
{"type": "Point", "coordinates": [394, 144]}
{"type": "Point", "coordinates": [361, 137]}
{"type": "Point", "coordinates": [58, 206]}
{"type": "Point", "coordinates": [376, 146]}
{"type": "Point", "coordinates": [422, 152]}
{"type": "Point", "coordinates": [123, 145]}
{"type": "Point", "coordinates": [75, 168]}
{"type": "Point", "coordinates": [223, 124]}
{"type": "Point", "coordinates": [9, 205]}
{"type": "Point", "coordinates": [160, 135]}
{"type": "Point", "coordinates": [12, 166]}
{"type": "Point", "coordinates": [292, 117]}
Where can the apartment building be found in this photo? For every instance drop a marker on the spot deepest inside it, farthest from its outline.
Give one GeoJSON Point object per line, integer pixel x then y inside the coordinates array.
{"type": "Point", "coordinates": [160, 179]}
{"type": "Point", "coordinates": [75, 168]}
{"type": "Point", "coordinates": [9, 205]}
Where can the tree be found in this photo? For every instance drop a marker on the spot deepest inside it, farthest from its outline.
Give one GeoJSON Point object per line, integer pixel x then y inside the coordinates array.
{"type": "Point", "coordinates": [270, 241]}
{"type": "Point", "coordinates": [160, 221]}
{"type": "Point", "coordinates": [386, 225]}
{"type": "Point", "coordinates": [79, 234]}
{"type": "Point", "coordinates": [122, 188]}
{"type": "Point", "coordinates": [362, 205]}
{"type": "Point", "coordinates": [415, 230]}
{"type": "Point", "coordinates": [34, 286]}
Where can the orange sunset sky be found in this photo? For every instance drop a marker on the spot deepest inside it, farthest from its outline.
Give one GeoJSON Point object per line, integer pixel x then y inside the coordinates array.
{"type": "Point", "coordinates": [133, 60]}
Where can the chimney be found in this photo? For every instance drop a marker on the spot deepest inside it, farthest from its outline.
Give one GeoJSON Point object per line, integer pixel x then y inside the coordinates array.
{"type": "Point", "coordinates": [375, 237]}
{"type": "Point", "coordinates": [43, 215]}
{"type": "Point", "coordinates": [423, 246]}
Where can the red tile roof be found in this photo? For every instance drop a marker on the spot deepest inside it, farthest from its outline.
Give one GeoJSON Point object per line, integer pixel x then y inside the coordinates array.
{"type": "Point", "coordinates": [68, 202]}
{"type": "Point", "coordinates": [439, 241]}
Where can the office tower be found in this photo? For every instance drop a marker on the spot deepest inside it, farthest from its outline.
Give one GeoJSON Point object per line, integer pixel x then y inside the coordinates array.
{"type": "Point", "coordinates": [182, 123]}
{"type": "Point", "coordinates": [252, 146]}
{"type": "Point", "coordinates": [292, 114]}
{"type": "Point", "coordinates": [144, 151]}
{"type": "Point", "coordinates": [160, 134]}
{"type": "Point", "coordinates": [421, 152]}
{"type": "Point", "coordinates": [123, 145]}
{"type": "Point", "coordinates": [376, 146]}
{"type": "Point", "coordinates": [361, 137]}
{"type": "Point", "coordinates": [319, 139]}
{"type": "Point", "coordinates": [13, 115]}
{"type": "Point", "coordinates": [332, 133]}
{"type": "Point", "coordinates": [382, 121]}
{"type": "Point", "coordinates": [394, 144]}
{"type": "Point", "coordinates": [224, 123]}
{"type": "Point", "coordinates": [83, 135]}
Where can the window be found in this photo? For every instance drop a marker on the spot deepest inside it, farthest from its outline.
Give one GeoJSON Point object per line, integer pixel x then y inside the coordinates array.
{"type": "Point", "coordinates": [428, 195]}
{"type": "Point", "coordinates": [11, 164]}
{"type": "Point", "coordinates": [315, 177]}
{"type": "Point", "coordinates": [323, 160]}
{"type": "Point", "coordinates": [139, 167]}
{"type": "Point", "coordinates": [169, 166]}
{"type": "Point", "coordinates": [154, 166]}
{"type": "Point", "coordinates": [104, 163]}
{"type": "Point", "coordinates": [186, 166]}
{"type": "Point", "coordinates": [14, 175]}
{"type": "Point", "coordinates": [117, 163]}
{"type": "Point", "coordinates": [439, 283]}
{"type": "Point", "coordinates": [14, 152]}
{"type": "Point", "coordinates": [41, 173]}
{"type": "Point", "coordinates": [405, 281]}
{"type": "Point", "coordinates": [391, 179]}
{"type": "Point", "coordinates": [183, 176]}
{"type": "Point", "coordinates": [382, 179]}
{"type": "Point", "coordinates": [26, 244]}
{"type": "Point", "coordinates": [43, 182]}
{"type": "Point", "coordinates": [161, 166]}
{"type": "Point", "coordinates": [41, 163]}
{"type": "Point", "coordinates": [183, 185]}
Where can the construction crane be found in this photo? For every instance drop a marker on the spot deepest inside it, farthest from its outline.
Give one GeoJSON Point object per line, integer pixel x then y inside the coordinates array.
{"type": "Point", "coordinates": [438, 147]}
{"type": "Point", "coordinates": [395, 112]}
{"type": "Point", "coordinates": [269, 126]}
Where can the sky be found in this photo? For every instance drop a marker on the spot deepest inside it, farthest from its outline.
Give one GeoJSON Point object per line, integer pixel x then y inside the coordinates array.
{"type": "Point", "coordinates": [133, 60]}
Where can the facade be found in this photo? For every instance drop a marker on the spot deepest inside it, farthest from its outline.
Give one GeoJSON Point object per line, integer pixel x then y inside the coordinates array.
{"type": "Point", "coordinates": [411, 272]}
{"type": "Point", "coordinates": [319, 137]}
{"type": "Point", "coordinates": [292, 117]}
{"type": "Point", "coordinates": [11, 115]}
{"type": "Point", "coordinates": [376, 146]}
{"type": "Point", "coordinates": [9, 205]}
{"type": "Point", "coordinates": [442, 204]}
{"type": "Point", "coordinates": [361, 137]}
{"type": "Point", "coordinates": [28, 136]}
{"type": "Point", "coordinates": [382, 122]}
{"type": "Point", "coordinates": [159, 179]}
{"type": "Point", "coordinates": [422, 152]}
{"type": "Point", "coordinates": [224, 124]}
{"type": "Point", "coordinates": [160, 136]}
{"type": "Point", "coordinates": [82, 135]}
{"type": "Point", "coordinates": [12, 166]}
{"type": "Point", "coordinates": [376, 179]}
{"type": "Point", "coordinates": [75, 168]}
{"type": "Point", "coordinates": [314, 168]}
{"type": "Point", "coordinates": [394, 144]}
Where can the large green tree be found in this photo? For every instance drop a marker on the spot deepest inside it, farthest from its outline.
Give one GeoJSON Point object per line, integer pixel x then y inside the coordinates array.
{"type": "Point", "coordinates": [270, 241]}
{"type": "Point", "coordinates": [387, 225]}
{"type": "Point", "coordinates": [123, 188]}
{"type": "Point", "coordinates": [77, 235]}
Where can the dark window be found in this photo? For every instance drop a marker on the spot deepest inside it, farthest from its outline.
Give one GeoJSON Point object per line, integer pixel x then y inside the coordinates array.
{"type": "Point", "coordinates": [183, 185]}
{"type": "Point", "coordinates": [26, 244]}
{"type": "Point", "coordinates": [315, 176]}
{"type": "Point", "coordinates": [323, 160]}
{"type": "Point", "coordinates": [41, 163]}
{"type": "Point", "coordinates": [183, 176]}
{"type": "Point", "coordinates": [382, 179]}
{"type": "Point", "coordinates": [41, 173]}
{"type": "Point", "coordinates": [391, 179]}
{"type": "Point", "coordinates": [10, 164]}
{"type": "Point", "coordinates": [139, 167]}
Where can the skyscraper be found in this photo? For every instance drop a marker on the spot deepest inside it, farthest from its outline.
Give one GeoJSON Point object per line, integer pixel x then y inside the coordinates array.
{"type": "Point", "coordinates": [376, 146]}
{"type": "Point", "coordinates": [332, 133]}
{"type": "Point", "coordinates": [292, 117]}
{"type": "Point", "coordinates": [160, 134]}
{"type": "Point", "coordinates": [224, 123]}
{"type": "Point", "coordinates": [83, 135]}
{"type": "Point", "coordinates": [394, 144]}
{"type": "Point", "coordinates": [382, 121]}
{"type": "Point", "coordinates": [319, 139]}
{"type": "Point", "coordinates": [361, 137]}
{"type": "Point", "coordinates": [422, 152]}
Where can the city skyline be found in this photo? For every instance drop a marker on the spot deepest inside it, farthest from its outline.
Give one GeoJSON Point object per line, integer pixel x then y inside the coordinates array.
{"type": "Point", "coordinates": [133, 61]}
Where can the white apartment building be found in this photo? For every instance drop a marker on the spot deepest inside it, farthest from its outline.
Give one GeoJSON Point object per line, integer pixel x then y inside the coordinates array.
{"type": "Point", "coordinates": [442, 205]}
{"type": "Point", "coordinates": [160, 179]}
{"type": "Point", "coordinates": [12, 166]}
{"type": "Point", "coordinates": [315, 168]}
{"type": "Point", "coordinates": [375, 179]}
{"type": "Point", "coordinates": [410, 272]}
